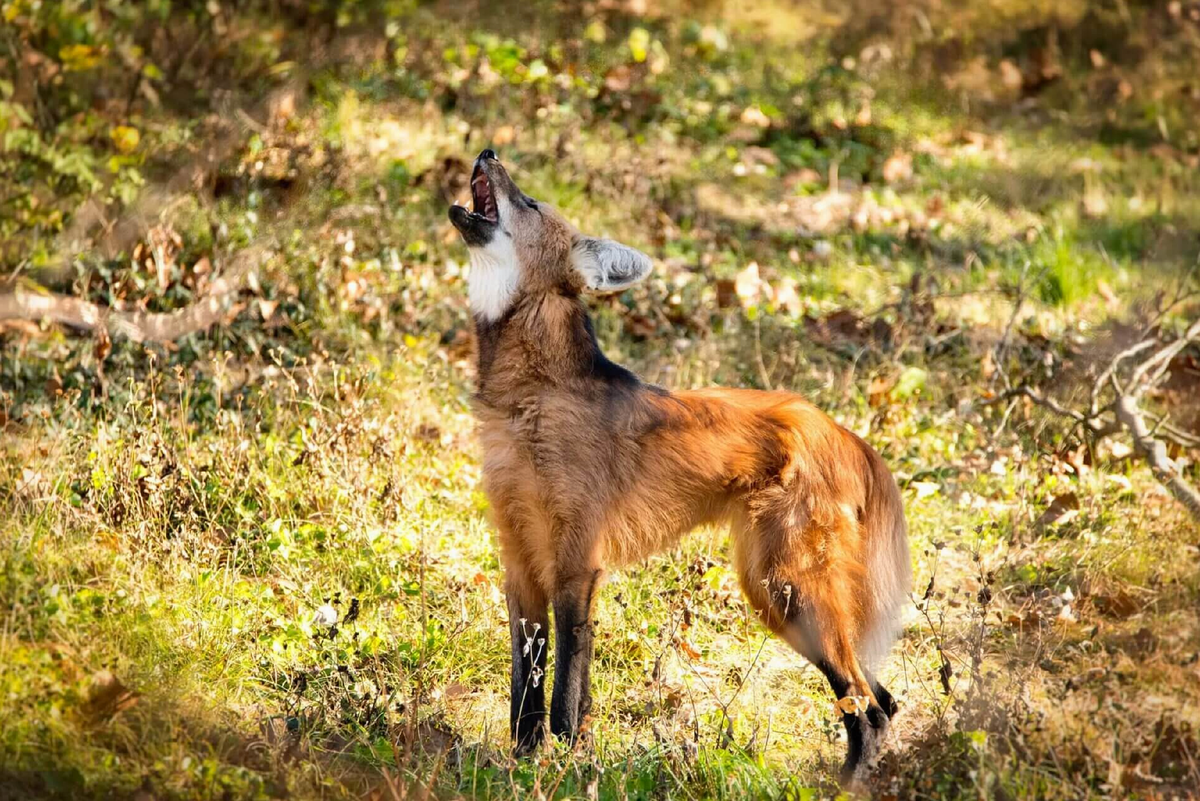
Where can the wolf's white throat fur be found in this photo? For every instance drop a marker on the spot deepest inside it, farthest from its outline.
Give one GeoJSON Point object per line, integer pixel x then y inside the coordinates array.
{"type": "Point", "coordinates": [493, 279]}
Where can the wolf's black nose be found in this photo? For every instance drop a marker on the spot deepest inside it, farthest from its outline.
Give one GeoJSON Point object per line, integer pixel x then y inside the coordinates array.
{"type": "Point", "coordinates": [487, 154]}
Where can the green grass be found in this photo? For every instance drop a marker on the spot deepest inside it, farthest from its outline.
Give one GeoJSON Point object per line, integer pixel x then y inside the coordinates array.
{"type": "Point", "coordinates": [172, 518]}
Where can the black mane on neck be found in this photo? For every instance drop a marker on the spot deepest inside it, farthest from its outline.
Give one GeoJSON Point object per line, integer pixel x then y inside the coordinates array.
{"type": "Point", "coordinates": [589, 358]}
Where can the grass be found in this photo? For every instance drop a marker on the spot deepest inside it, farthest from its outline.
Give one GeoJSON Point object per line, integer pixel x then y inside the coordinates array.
{"type": "Point", "coordinates": [172, 519]}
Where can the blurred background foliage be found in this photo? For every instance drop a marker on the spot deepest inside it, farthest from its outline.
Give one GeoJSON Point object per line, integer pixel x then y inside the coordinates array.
{"type": "Point", "coordinates": [898, 209]}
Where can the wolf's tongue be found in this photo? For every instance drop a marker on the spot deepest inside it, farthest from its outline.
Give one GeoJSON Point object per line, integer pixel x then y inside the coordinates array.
{"type": "Point", "coordinates": [481, 196]}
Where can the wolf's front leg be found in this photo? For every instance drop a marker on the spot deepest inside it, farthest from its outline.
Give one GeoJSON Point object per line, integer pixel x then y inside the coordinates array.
{"type": "Point", "coordinates": [529, 626]}
{"type": "Point", "coordinates": [573, 639]}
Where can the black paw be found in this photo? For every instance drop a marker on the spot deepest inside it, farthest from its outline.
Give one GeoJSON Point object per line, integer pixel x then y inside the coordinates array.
{"type": "Point", "coordinates": [564, 729]}
{"type": "Point", "coordinates": [887, 702]}
{"type": "Point", "coordinates": [528, 737]}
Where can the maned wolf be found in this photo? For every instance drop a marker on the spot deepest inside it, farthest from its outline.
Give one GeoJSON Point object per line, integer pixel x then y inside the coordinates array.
{"type": "Point", "coordinates": [587, 467]}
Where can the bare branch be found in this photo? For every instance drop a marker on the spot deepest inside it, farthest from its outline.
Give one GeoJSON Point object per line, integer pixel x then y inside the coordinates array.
{"type": "Point", "coordinates": [1171, 431]}
{"type": "Point", "coordinates": [24, 304]}
{"type": "Point", "coordinates": [1109, 372]}
{"type": "Point", "coordinates": [1161, 360]}
{"type": "Point", "coordinates": [1092, 422]}
{"type": "Point", "coordinates": [1155, 451]}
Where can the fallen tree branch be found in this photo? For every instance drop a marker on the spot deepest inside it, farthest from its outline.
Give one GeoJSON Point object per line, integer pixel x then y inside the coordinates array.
{"type": "Point", "coordinates": [26, 304]}
{"type": "Point", "coordinates": [1119, 396]}
{"type": "Point", "coordinates": [1155, 452]}
{"type": "Point", "coordinates": [1092, 422]}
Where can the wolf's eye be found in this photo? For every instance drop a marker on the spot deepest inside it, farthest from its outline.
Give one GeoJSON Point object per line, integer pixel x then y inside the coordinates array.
{"type": "Point", "coordinates": [531, 203]}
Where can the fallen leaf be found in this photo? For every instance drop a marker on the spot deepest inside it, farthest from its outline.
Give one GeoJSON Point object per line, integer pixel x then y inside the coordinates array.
{"type": "Point", "coordinates": [878, 389]}
{"type": "Point", "coordinates": [103, 345]}
{"type": "Point", "coordinates": [726, 293]}
{"type": "Point", "coordinates": [1075, 682]}
{"type": "Point", "coordinates": [1119, 604]}
{"type": "Point", "coordinates": [1062, 509]}
{"type": "Point", "coordinates": [30, 483]}
{"type": "Point", "coordinates": [1143, 642]}
{"type": "Point", "coordinates": [1106, 292]}
{"type": "Point", "coordinates": [455, 690]}
{"type": "Point", "coordinates": [1029, 620]}
{"type": "Point", "coordinates": [107, 697]}
{"type": "Point", "coordinates": [428, 432]}
{"type": "Point", "coordinates": [852, 704]}
{"type": "Point", "coordinates": [688, 649]}
{"type": "Point", "coordinates": [642, 326]}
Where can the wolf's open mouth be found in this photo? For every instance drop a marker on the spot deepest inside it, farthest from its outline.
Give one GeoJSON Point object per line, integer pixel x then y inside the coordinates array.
{"type": "Point", "coordinates": [482, 200]}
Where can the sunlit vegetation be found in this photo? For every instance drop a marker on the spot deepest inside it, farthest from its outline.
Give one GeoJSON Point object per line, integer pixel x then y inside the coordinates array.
{"type": "Point", "coordinates": [254, 561]}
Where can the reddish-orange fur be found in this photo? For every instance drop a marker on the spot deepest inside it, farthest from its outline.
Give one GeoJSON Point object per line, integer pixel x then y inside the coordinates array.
{"type": "Point", "coordinates": [587, 468]}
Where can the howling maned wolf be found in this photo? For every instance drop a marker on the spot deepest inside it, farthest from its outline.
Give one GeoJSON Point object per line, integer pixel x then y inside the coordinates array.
{"type": "Point", "coordinates": [586, 467]}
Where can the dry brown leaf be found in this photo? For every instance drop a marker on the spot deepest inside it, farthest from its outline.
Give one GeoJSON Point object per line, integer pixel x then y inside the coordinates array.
{"type": "Point", "coordinates": [1062, 509]}
{"type": "Point", "coordinates": [689, 649]}
{"type": "Point", "coordinates": [1119, 604]}
{"type": "Point", "coordinates": [455, 690]}
{"type": "Point", "coordinates": [1031, 619]}
{"type": "Point", "coordinates": [107, 697]}
{"type": "Point", "coordinates": [103, 345]}
{"type": "Point", "coordinates": [852, 704]}
{"type": "Point", "coordinates": [726, 293]}
{"type": "Point", "coordinates": [642, 326]}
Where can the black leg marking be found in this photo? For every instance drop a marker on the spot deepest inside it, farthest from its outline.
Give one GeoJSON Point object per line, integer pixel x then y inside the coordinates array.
{"type": "Point", "coordinates": [527, 712]}
{"type": "Point", "coordinates": [854, 723]}
{"type": "Point", "coordinates": [885, 699]}
{"type": "Point", "coordinates": [572, 696]}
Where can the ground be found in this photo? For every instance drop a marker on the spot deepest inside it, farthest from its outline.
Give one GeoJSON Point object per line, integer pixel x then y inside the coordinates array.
{"type": "Point", "coordinates": [255, 562]}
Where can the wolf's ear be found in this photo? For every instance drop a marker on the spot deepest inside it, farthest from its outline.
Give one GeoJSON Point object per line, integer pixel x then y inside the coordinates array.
{"type": "Point", "coordinates": [608, 266]}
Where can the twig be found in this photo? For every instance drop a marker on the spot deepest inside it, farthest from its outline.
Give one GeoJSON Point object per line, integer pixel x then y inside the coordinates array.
{"type": "Point", "coordinates": [1006, 338]}
{"type": "Point", "coordinates": [1096, 425]}
{"type": "Point", "coordinates": [758, 357]}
